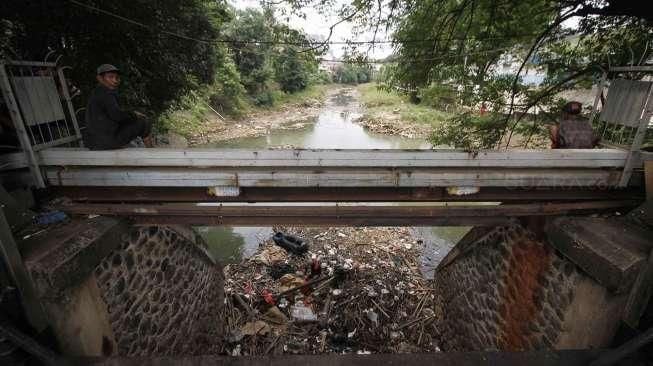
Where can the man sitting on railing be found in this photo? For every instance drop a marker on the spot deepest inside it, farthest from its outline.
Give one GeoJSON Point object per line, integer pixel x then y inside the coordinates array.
{"type": "Point", "coordinates": [108, 126]}
{"type": "Point", "coordinates": [573, 132]}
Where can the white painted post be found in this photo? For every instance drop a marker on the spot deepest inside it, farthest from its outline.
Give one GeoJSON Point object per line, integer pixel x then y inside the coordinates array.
{"type": "Point", "coordinates": [644, 121]}
{"type": "Point", "coordinates": [69, 104]}
{"type": "Point", "coordinates": [21, 131]}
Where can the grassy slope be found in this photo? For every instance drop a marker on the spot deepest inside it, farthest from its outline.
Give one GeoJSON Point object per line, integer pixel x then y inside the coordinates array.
{"type": "Point", "coordinates": [313, 92]}
{"type": "Point", "coordinates": [192, 116]}
{"type": "Point", "coordinates": [379, 102]}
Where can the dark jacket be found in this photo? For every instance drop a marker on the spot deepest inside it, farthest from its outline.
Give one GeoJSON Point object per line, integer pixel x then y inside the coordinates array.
{"type": "Point", "coordinates": [576, 134]}
{"type": "Point", "coordinates": [105, 120]}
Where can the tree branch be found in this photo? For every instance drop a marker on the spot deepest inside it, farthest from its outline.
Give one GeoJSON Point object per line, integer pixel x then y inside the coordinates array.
{"type": "Point", "coordinates": [534, 47]}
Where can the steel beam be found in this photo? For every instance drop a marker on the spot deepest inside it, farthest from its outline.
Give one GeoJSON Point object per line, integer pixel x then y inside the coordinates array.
{"type": "Point", "coordinates": [337, 215]}
{"type": "Point", "coordinates": [121, 176]}
{"type": "Point", "coordinates": [340, 194]}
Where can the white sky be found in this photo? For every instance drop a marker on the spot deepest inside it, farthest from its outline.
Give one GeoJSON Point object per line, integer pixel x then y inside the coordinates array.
{"type": "Point", "coordinates": [318, 24]}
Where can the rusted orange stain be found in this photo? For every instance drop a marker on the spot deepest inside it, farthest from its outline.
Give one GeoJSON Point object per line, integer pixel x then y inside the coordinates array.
{"type": "Point", "coordinates": [528, 261]}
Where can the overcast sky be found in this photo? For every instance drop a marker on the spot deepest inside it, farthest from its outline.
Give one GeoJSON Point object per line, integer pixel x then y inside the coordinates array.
{"type": "Point", "coordinates": [318, 24]}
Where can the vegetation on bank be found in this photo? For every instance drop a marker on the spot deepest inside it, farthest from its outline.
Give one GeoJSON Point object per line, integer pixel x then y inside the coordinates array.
{"type": "Point", "coordinates": [380, 102]}
{"type": "Point", "coordinates": [189, 117]}
{"type": "Point", "coordinates": [485, 54]}
{"type": "Point", "coordinates": [352, 73]}
{"type": "Point", "coordinates": [181, 62]}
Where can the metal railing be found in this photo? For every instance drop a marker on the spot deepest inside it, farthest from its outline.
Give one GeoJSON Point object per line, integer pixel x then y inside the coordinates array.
{"type": "Point", "coordinates": [624, 120]}
{"type": "Point", "coordinates": [38, 101]}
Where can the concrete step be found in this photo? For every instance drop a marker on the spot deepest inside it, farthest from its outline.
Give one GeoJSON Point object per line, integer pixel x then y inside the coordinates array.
{"type": "Point", "coordinates": [611, 250]}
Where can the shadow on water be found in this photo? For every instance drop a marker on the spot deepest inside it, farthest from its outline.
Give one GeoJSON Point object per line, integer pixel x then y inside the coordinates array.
{"type": "Point", "coordinates": [231, 244]}
{"type": "Point", "coordinates": [334, 128]}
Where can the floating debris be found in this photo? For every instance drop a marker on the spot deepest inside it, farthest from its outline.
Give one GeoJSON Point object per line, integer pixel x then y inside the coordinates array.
{"type": "Point", "coordinates": [302, 313]}
{"type": "Point", "coordinates": [357, 290]}
{"type": "Point", "coordinates": [291, 244]}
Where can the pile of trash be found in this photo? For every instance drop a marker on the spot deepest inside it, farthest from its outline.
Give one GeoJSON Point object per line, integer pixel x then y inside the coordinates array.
{"type": "Point", "coordinates": [337, 290]}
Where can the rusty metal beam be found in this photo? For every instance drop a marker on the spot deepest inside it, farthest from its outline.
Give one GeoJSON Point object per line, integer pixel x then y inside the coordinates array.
{"type": "Point", "coordinates": [335, 215]}
{"type": "Point", "coordinates": [341, 194]}
{"type": "Point", "coordinates": [319, 221]}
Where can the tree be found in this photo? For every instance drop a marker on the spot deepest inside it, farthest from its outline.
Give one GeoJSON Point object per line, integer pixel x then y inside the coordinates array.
{"type": "Point", "coordinates": [460, 44]}
{"type": "Point", "coordinates": [352, 71]}
{"type": "Point", "coordinates": [291, 73]}
{"type": "Point", "coordinates": [157, 66]}
{"type": "Point", "coordinates": [295, 63]}
{"type": "Point", "coordinates": [267, 52]}
{"type": "Point", "coordinates": [252, 58]}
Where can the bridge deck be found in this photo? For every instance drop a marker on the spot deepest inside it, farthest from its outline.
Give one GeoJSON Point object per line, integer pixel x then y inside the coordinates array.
{"type": "Point", "coordinates": [328, 168]}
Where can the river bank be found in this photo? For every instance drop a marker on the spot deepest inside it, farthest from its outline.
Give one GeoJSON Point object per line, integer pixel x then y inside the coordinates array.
{"type": "Point", "coordinates": [292, 112]}
{"type": "Point", "coordinates": [379, 112]}
{"type": "Point", "coordinates": [393, 114]}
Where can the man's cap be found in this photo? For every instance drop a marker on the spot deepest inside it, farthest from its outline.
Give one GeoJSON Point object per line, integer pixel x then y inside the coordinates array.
{"type": "Point", "coordinates": [573, 107]}
{"type": "Point", "coordinates": [106, 68]}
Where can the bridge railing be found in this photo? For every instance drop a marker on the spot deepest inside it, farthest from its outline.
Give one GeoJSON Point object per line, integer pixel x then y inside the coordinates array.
{"type": "Point", "coordinates": [38, 100]}
{"type": "Point", "coordinates": [37, 96]}
{"type": "Point", "coordinates": [625, 118]}
{"type": "Point", "coordinates": [223, 169]}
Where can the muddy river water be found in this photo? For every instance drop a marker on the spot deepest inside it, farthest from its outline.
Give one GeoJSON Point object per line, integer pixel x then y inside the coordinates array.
{"type": "Point", "coordinates": [334, 128]}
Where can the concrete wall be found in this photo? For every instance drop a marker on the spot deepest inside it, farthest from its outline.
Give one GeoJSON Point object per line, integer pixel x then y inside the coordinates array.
{"type": "Point", "coordinates": [504, 289]}
{"type": "Point", "coordinates": [113, 289]}
{"type": "Point", "coordinates": [80, 321]}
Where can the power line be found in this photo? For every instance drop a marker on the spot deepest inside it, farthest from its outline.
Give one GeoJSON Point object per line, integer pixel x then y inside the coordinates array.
{"type": "Point", "coordinates": [418, 60]}
{"type": "Point", "coordinates": [307, 43]}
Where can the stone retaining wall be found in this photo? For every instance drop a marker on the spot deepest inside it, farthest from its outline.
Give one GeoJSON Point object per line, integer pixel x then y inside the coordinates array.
{"type": "Point", "coordinates": [503, 289]}
{"type": "Point", "coordinates": [163, 294]}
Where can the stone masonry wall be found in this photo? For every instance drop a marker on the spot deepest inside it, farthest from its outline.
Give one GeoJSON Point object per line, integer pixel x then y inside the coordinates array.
{"type": "Point", "coordinates": [163, 294]}
{"type": "Point", "coordinates": [502, 289]}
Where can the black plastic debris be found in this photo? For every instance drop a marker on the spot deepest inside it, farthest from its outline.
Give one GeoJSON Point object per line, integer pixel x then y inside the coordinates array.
{"type": "Point", "coordinates": [278, 270]}
{"type": "Point", "coordinates": [290, 243]}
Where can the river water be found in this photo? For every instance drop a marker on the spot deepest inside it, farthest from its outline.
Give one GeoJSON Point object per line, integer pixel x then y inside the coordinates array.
{"type": "Point", "coordinates": [333, 129]}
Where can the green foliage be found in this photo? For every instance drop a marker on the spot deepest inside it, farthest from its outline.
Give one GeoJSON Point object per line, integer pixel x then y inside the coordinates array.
{"type": "Point", "coordinates": [227, 92]}
{"type": "Point", "coordinates": [186, 115]}
{"type": "Point", "coordinates": [253, 60]}
{"type": "Point", "coordinates": [351, 73]}
{"type": "Point", "coordinates": [373, 95]}
{"type": "Point", "coordinates": [157, 69]}
{"type": "Point", "coordinates": [320, 77]}
{"type": "Point", "coordinates": [379, 103]}
{"type": "Point", "coordinates": [439, 96]}
{"type": "Point", "coordinates": [468, 131]}
{"type": "Point", "coordinates": [291, 72]}
{"type": "Point", "coordinates": [265, 66]}
{"type": "Point", "coordinates": [465, 44]}
{"type": "Point", "coordinates": [176, 79]}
